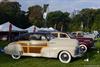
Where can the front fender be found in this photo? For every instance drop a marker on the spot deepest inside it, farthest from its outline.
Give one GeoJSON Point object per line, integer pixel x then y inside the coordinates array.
{"type": "Point", "coordinates": [12, 48]}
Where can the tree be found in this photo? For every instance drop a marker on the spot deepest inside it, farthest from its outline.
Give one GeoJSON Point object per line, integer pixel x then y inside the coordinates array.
{"type": "Point", "coordinates": [75, 24]}
{"type": "Point", "coordinates": [21, 20]}
{"type": "Point", "coordinates": [96, 23]}
{"type": "Point", "coordinates": [35, 15]}
{"type": "Point", "coordinates": [3, 17]}
{"type": "Point", "coordinates": [58, 20]}
{"type": "Point", "coordinates": [10, 11]}
{"type": "Point", "coordinates": [87, 17]}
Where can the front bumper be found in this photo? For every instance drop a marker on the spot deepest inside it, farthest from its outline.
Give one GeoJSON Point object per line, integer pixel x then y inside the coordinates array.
{"type": "Point", "coordinates": [78, 52]}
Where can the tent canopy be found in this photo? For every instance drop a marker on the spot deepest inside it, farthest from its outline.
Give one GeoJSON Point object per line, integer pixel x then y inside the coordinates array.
{"type": "Point", "coordinates": [50, 29]}
{"type": "Point", "coordinates": [32, 29]}
{"type": "Point", "coordinates": [5, 27]}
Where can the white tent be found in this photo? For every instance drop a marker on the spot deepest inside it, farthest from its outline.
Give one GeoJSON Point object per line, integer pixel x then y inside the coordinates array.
{"type": "Point", "coordinates": [47, 29]}
{"type": "Point", "coordinates": [5, 27]}
{"type": "Point", "coordinates": [32, 29]}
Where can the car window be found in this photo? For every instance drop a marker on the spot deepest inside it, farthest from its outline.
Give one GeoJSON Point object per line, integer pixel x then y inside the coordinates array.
{"type": "Point", "coordinates": [55, 34]}
{"type": "Point", "coordinates": [43, 38]}
{"type": "Point", "coordinates": [63, 36]}
{"type": "Point", "coordinates": [72, 36]}
{"type": "Point", "coordinates": [34, 37]}
{"type": "Point", "coordinates": [38, 37]}
{"type": "Point", "coordinates": [79, 34]}
{"type": "Point", "coordinates": [21, 38]}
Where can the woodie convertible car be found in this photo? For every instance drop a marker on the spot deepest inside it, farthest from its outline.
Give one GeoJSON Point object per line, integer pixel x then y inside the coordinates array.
{"type": "Point", "coordinates": [40, 44]}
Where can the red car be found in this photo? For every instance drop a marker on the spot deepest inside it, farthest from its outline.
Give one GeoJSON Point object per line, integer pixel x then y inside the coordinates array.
{"type": "Point", "coordinates": [85, 43]}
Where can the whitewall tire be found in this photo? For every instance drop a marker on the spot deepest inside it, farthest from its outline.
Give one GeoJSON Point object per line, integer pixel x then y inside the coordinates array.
{"type": "Point", "coordinates": [64, 57]}
{"type": "Point", "coordinates": [16, 56]}
{"type": "Point", "coordinates": [83, 48]}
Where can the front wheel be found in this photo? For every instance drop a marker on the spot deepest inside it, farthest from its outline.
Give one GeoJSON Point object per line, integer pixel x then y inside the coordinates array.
{"type": "Point", "coordinates": [83, 48]}
{"type": "Point", "coordinates": [64, 57]}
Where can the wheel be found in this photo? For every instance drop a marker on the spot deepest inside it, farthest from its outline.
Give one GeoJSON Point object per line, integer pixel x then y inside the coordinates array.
{"type": "Point", "coordinates": [16, 56]}
{"type": "Point", "coordinates": [64, 57]}
{"type": "Point", "coordinates": [83, 48]}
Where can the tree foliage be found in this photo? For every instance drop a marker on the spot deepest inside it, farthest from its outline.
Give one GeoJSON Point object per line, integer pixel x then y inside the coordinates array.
{"type": "Point", "coordinates": [75, 23]}
{"type": "Point", "coordinates": [87, 17]}
{"type": "Point", "coordinates": [35, 15]}
{"type": "Point", "coordinates": [96, 23]}
{"type": "Point", "coordinates": [21, 20]}
{"type": "Point", "coordinates": [58, 20]}
{"type": "Point", "coordinates": [10, 11]}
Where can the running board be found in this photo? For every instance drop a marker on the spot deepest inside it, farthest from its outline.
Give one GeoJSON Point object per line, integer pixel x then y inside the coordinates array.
{"type": "Point", "coordinates": [32, 54]}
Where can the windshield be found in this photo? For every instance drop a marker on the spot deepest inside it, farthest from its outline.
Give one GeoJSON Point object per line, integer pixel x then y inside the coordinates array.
{"type": "Point", "coordinates": [71, 36]}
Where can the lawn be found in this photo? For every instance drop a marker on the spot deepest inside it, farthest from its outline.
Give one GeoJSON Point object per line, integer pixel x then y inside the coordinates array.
{"type": "Point", "coordinates": [7, 61]}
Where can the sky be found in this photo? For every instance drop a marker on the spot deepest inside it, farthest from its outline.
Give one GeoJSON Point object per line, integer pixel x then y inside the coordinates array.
{"type": "Point", "coordinates": [63, 5]}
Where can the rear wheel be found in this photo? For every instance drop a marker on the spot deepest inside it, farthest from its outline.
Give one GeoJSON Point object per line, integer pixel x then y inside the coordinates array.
{"type": "Point", "coordinates": [16, 56]}
{"type": "Point", "coordinates": [64, 57]}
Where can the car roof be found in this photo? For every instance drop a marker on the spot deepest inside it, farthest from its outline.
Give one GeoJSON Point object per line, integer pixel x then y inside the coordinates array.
{"type": "Point", "coordinates": [39, 33]}
{"type": "Point", "coordinates": [42, 33]}
{"type": "Point", "coordinates": [28, 34]}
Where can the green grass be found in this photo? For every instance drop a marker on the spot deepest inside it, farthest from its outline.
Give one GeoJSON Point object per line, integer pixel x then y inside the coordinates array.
{"type": "Point", "coordinates": [7, 61]}
{"type": "Point", "coordinates": [97, 39]}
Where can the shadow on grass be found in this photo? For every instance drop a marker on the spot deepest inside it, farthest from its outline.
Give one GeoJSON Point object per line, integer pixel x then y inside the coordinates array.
{"type": "Point", "coordinates": [90, 54]}
{"type": "Point", "coordinates": [4, 58]}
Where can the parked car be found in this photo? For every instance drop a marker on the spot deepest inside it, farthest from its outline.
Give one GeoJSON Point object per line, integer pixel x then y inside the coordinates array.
{"type": "Point", "coordinates": [98, 36]}
{"type": "Point", "coordinates": [1, 50]}
{"type": "Point", "coordinates": [92, 35]}
{"type": "Point", "coordinates": [40, 44]}
{"type": "Point", "coordinates": [85, 42]}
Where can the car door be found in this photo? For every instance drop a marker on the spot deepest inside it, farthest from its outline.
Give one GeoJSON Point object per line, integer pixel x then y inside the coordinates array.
{"type": "Point", "coordinates": [37, 42]}
{"type": "Point", "coordinates": [24, 42]}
